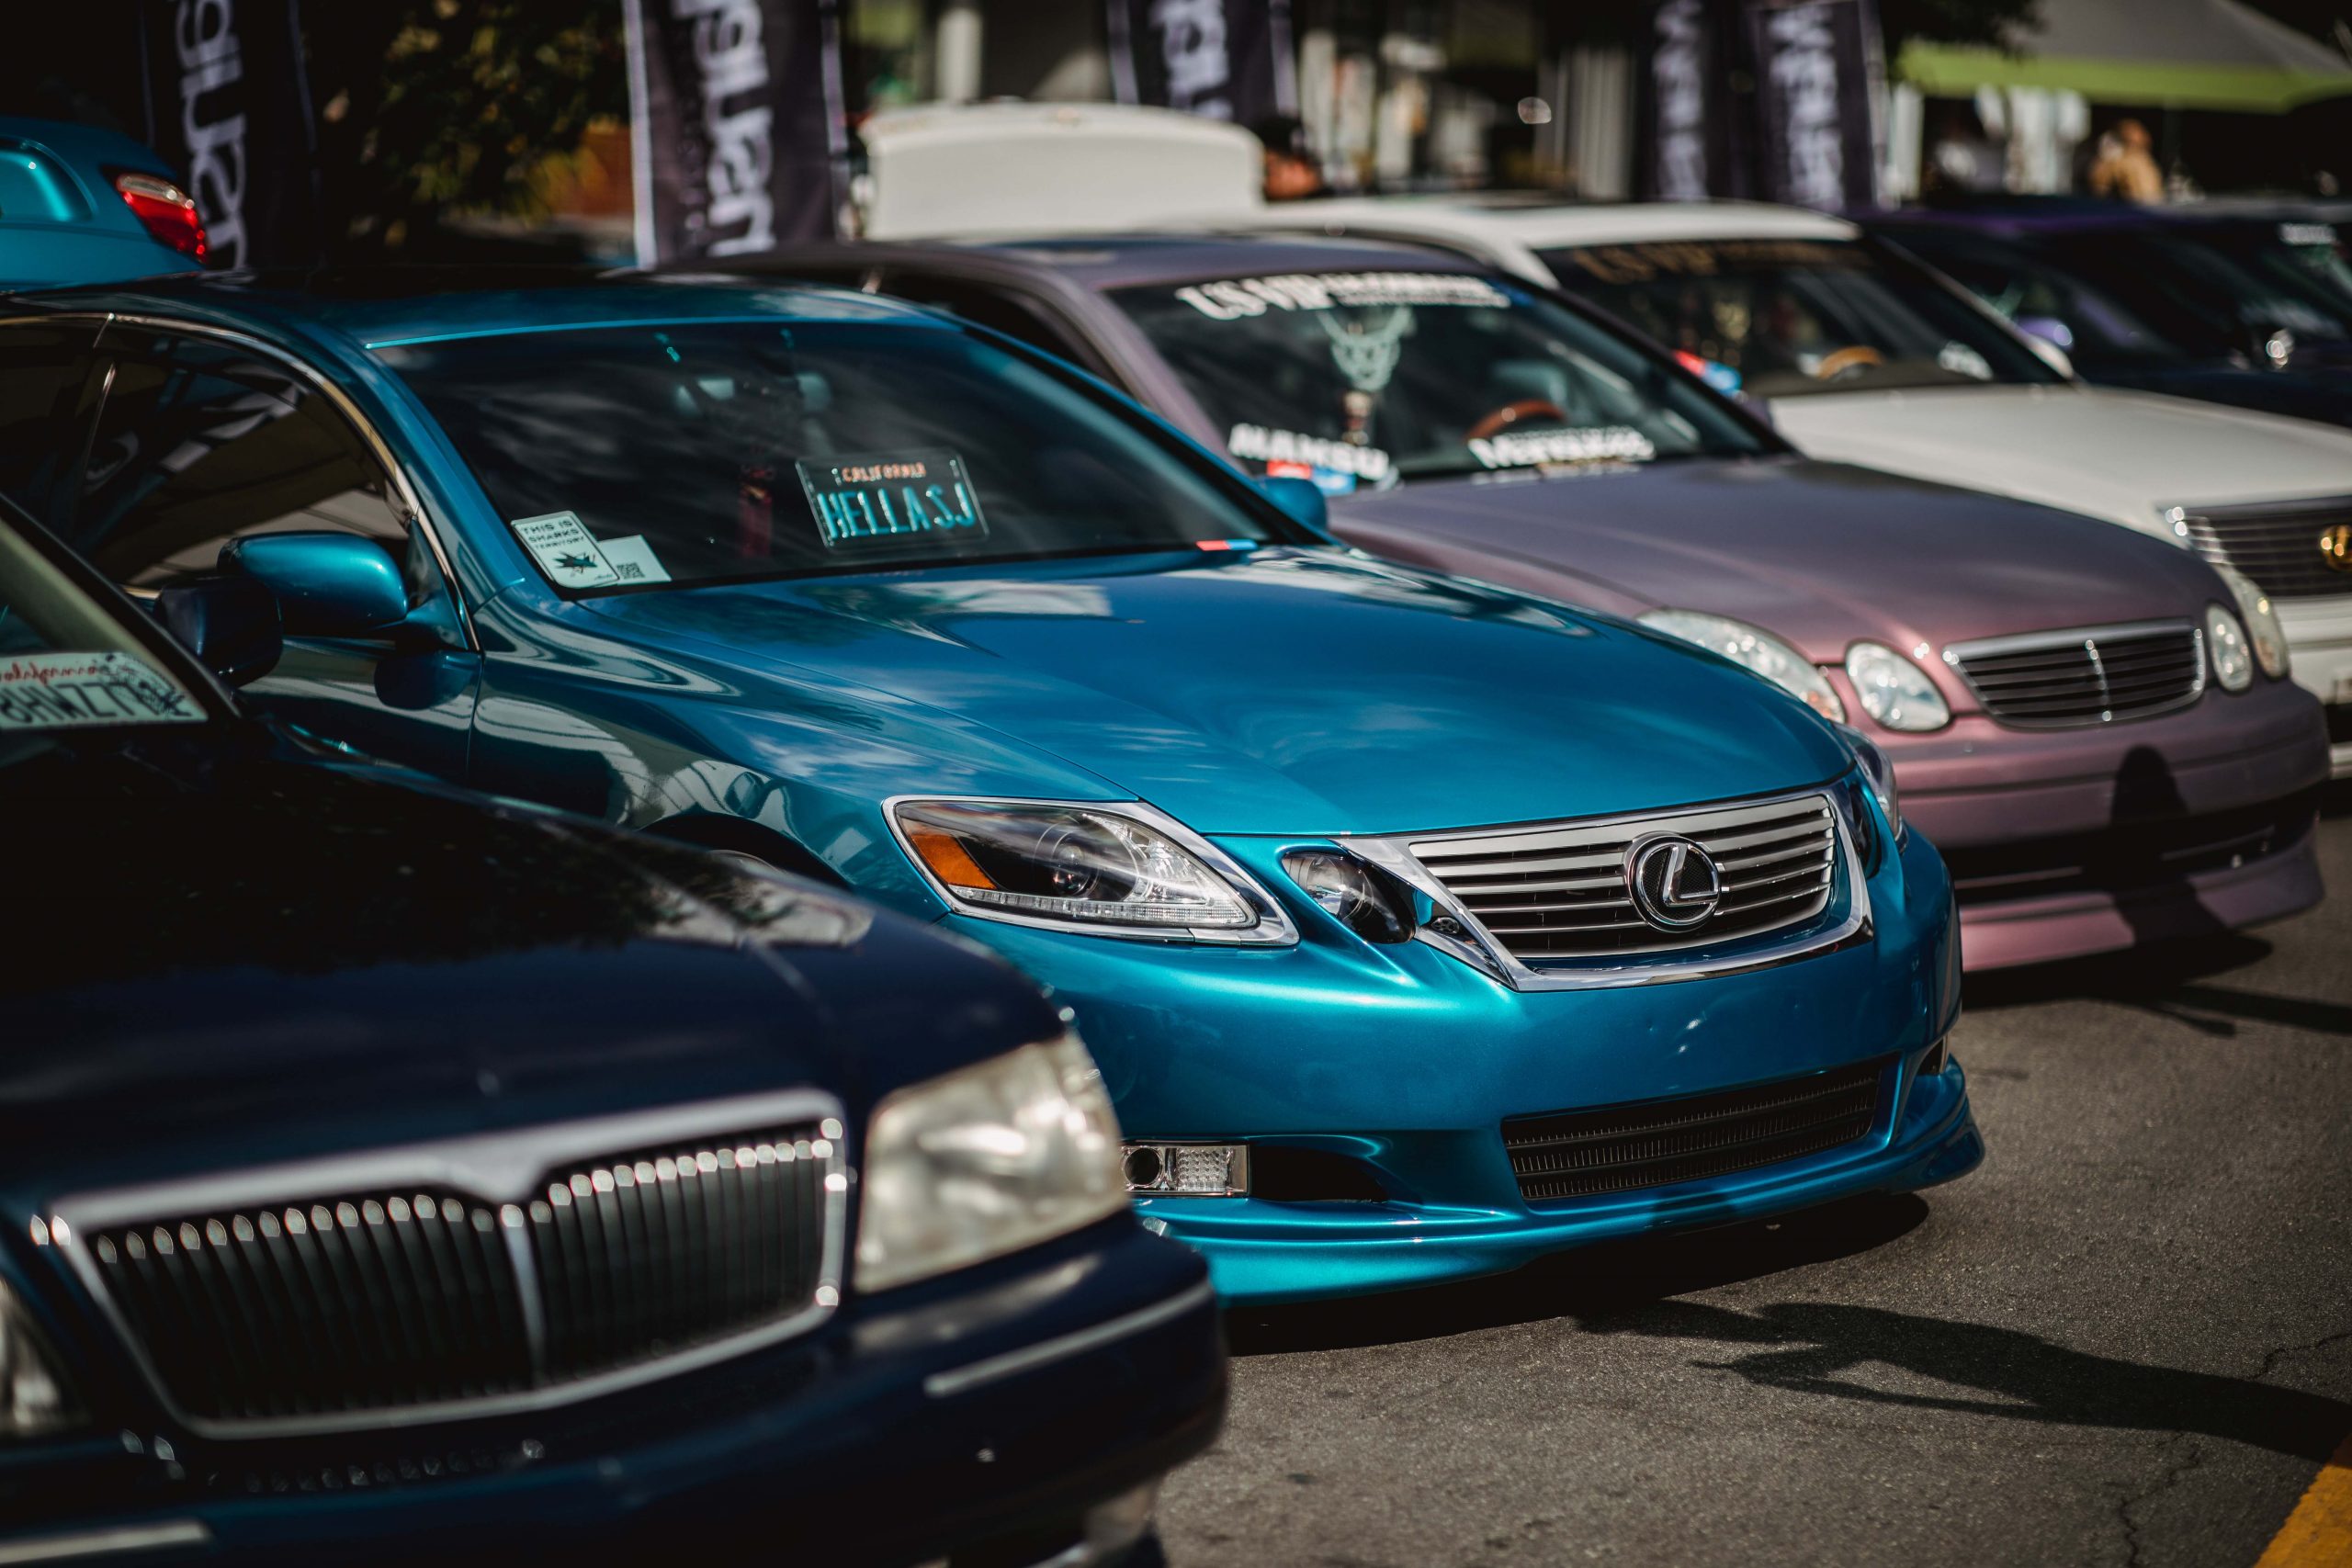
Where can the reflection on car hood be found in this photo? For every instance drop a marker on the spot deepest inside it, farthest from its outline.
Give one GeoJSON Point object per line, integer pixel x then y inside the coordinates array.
{"type": "Point", "coordinates": [2120, 455]}
{"type": "Point", "coordinates": [1307, 692]}
{"type": "Point", "coordinates": [234, 958]}
{"type": "Point", "coordinates": [1818, 553]}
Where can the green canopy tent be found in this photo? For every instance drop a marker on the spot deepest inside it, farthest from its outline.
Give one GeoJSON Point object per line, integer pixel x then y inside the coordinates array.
{"type": "Point", "coordinates": [2183, 54]}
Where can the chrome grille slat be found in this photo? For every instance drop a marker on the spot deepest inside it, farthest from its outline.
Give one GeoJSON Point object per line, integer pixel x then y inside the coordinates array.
{"type": "Point", "coordinates": [1777, 859]}
{"type": "Point", "coordinates": [303, 1312]}
{"type": "Point", "coordinates": [2275, 544]}
{"type": "Point", "coordinates": [2084, 676]}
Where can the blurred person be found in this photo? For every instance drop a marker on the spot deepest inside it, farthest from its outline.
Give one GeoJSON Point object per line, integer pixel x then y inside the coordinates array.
{"type": "Point", "coordinates": [1291, 172]}
{"type": "Point", "coordinates": [1961, 157]}
{"type": "Point", "coordinates": [2125, 169]}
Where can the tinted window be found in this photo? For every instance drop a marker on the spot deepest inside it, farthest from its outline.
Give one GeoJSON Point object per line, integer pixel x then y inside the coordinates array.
{"type": "Point", "coordinates": [704, 452]}
{"type": "Point", "coordinates": [1355, 378]}
{"type": "Point", "coordinates": [2102, 330]}
{"type": "Point", "coordinates": [198, 441]}
{"type": "Point", "coordinates": [991, 309]}
{"type": "Point", "coordinates": [43, 370]}
{"type": "Point", "coordinates": [1795, 315]}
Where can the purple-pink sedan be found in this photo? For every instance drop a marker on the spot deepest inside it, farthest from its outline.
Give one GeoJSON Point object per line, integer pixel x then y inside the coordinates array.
{"type": "Point", "coordinates": [2096, 728]}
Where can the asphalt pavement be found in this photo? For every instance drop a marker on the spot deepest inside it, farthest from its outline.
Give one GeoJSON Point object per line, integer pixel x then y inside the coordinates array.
{"type": "Point", "coordinates": [2126, 1339]}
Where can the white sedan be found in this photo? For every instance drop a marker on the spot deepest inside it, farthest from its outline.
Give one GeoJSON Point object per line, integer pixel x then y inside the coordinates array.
{"type": "Point", "coordinates": [1859, 356]}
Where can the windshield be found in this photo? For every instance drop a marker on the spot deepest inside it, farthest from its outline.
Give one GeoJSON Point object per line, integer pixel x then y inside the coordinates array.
{"type": "Point", "coordinates": [1798, 316]}
{"type": "Point", "coordinates": [650, 457]}
{"type": "Point", "coordinates": [67, 664]}
{"type": "Point", "coordinates": [2223, 290]}
{"type": "Point", "coordinates": [1362, 379]}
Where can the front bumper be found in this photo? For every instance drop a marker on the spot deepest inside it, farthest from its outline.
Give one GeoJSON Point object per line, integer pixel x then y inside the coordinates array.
{"type": "Point", "coordinates": [1406, 1062]}
{"type": "Point", "coordinates": [2319, 635]}
{"type": "Point", "coordinates": [2067, 842]}
{"type": "Point", "coordinates": [996, 1408]}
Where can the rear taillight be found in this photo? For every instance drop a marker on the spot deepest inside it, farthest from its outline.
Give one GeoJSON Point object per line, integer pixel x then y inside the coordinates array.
{"type": "Point", "coordinates": [168, 212]}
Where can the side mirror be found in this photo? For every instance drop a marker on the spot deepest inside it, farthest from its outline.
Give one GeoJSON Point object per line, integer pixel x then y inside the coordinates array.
{"type": "Point", "coordinates": [1300, 500]}
{"type": "Point", "coordinates": [230, 624]}
{"type": "Point", "coordinates": [326, 584]}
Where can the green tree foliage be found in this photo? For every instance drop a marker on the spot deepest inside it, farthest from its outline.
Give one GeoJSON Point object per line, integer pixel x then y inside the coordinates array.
{"type": "Point", "coordinates": [434, 109]}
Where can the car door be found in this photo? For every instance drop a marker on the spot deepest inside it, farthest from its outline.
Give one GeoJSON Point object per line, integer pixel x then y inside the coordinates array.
{"type": "Point", "coordinates": [199, 440]}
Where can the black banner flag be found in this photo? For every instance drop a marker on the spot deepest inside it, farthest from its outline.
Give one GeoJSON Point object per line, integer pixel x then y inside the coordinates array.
{"type": "Point", "coordinates": [737, 127]}
{"type": "Point", "coordinates": [1817, 83]}
{"type": "Point", "coordinates": [1222, 58]}
{"type": "Point", "coordinates": [225, 78]}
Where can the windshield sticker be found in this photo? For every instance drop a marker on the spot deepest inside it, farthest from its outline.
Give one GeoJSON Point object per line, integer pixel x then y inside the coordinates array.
{"type": "Point", "coordinates": [1230, 298]}
{"type": "Point", "coordinates": [1963, 360]}
{"type": "Point", "coordinates": [1604, 444]}
{"type": "Point", "coordinates": [1703, 258]}
{"type": "Point", "coordinates": [1257, 444]}
{"type": "Point", "coordinates": [870, 497]}
{"type": "Point", "coordinates": [1714, 372]}
{"type": "Point", "coordinates": [2307, 233]}
{"type": "Point", "coordinates": [86, 691]}
{"type": "Point", "coordinates": [565, 550]}
{"type": "Point", "coordinates": [633, 559]}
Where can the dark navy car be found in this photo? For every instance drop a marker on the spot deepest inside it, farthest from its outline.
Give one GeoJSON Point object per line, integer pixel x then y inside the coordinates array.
{"type": "Point", "coordinates": [388, 1173]}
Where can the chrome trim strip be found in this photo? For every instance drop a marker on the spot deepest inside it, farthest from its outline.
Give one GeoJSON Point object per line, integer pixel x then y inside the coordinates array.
{"type": "Point", "coordinates": [1273, 928]}
{"type": "Point", "coordinates": [1485, 952]}
{"type": "Point", "coordinates": [2086, 639]}
{"type": "Point", "coordinates": [1029, 1358]}
{"type": "Point", "coordinates": [79, 1545]}
{"type": "Point", "coordinates": [411, 506]}
{"type": "Point", "coordinates": [498, 1168]}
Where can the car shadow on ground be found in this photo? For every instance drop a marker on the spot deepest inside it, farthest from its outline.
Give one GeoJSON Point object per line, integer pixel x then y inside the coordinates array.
{"type": "Point", "coordinates": [1634, 1288]}
{"type": "Point", "coordinates": [2173, 980]}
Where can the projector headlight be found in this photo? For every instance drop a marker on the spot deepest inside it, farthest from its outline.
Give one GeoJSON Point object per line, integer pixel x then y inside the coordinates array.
{"type": "Point", "coordinates": [1755, 649]}
{"type": "Point", "coordinates": [985, 1161]}
{"type": "Point", "coordinates": [2261, 618]}
{"type": "Point", "coordinates": [1894, 691]}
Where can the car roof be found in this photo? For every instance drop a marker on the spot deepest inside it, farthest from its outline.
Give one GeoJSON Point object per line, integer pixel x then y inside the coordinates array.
{"type": "Point", "coordinates": [1540, 224]}
{"type": "Point", "coordinates": [1118, 261]}
{"type": "Point", "coordinates": [376, 307]}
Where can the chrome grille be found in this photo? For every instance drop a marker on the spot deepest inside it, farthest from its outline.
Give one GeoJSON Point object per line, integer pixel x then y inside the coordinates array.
{"type": "Point", "coordinates": [2276, 545]}
{"type": "Point", "coordinates": [1559, 892]}
{"type": "Point", "coordinates": [366, 1305]}
{"type": "Point", "coordinates": [2067, 680]}
{"type": "Point", "coordinates": [1579, 1153]}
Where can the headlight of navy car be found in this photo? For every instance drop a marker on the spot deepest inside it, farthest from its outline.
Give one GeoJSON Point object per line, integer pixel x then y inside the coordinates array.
{"type": "Point", "coordinates": [986, 1161]}
{"type": "Point", "coordinates": [33, 1399]}
{"type": "Point", "coordinates": [1755, 649]}
{"type": "Point", "coordinates": [1122, 870]}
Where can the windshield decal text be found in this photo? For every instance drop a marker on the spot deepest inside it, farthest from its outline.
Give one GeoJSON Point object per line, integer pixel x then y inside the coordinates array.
{"type": "Point", "coordinates": [1603, 444]}
{"type": "Point", "coordinates": [873, 497]}
{"type": "Point", "coordinates": [1231, 299]}
{"type": "Point", "coordinates": [1256, 444]}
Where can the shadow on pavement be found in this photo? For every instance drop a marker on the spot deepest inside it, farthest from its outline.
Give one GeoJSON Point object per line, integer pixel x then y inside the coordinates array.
{"type": "Point", "coordinates": [2171, 980]}
{"type": "Point", "coordinates": [1817, 1348]}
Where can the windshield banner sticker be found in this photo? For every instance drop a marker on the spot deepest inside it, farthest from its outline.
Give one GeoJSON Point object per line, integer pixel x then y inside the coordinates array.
{"type": "Point", "coordinates": [1256, 444]}
{"type": "Point", "coordinates": [633, 559]}
{"type": "Point", "coordinates": [86, 691]}
{"type": "Point", "coordinates": [565, 550]}
{"type": "Point", "coordinates": [1229, 299]}
{"type": "Point", "coordinates": [1604, 444]}
{"type": "Point", "coordinates": [869, 498]}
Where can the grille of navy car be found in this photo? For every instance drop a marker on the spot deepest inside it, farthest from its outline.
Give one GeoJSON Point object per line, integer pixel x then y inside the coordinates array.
{"type": "Point", "coordinates": [2278, 546]}
{"type": "Point", "coordinates": [1580, 1154]}
{"type": "Point", "coordinates": [382, 1301]}
{"type": "Point", "coordinates": [2068, 680]}
{"type": "Point", "coordinates": [1560, 892]}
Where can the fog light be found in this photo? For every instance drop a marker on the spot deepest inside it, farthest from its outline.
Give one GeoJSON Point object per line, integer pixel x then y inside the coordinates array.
{"type": "Point", "coordinates": [1190, 1170]}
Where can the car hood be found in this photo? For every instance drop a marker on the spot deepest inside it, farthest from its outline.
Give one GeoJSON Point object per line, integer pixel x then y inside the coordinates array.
{"type": "Point", "coordinates": [1819, 553]}
{"type": "Point", "coordinates": [1280, 692]}
{"type": "Point", "coordinates": [237, 958]}
{"type": "Point", "coordinates": [2124, 455]}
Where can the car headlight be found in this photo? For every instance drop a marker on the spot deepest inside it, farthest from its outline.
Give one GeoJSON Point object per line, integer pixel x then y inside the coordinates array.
{"type": "Point", "coordinates": [1361, 896]}
{"type": "Point", "coordinates": [984, 1161]}
{"type": "Point", "coordinates": [2261, 618]}
{"type": "Point", "coordinates": [1894, 691]}
{"type": "Point", "coordinates": [1756, 650]}
{"type": "Point", "coordinates": [2225, 646]}
{"type": "Point", "coordinates": [1879, 770]}
{"type": "Point", "coordinates": [1120, 870]}
{"type": "Point", "coordinates": [34, 1402]}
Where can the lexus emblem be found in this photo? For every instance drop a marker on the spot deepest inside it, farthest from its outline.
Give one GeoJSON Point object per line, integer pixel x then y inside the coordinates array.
{"type": "Point", "coordinates": [1673, 882]}
{"type": "Point", "coordinates": [2335, 547]}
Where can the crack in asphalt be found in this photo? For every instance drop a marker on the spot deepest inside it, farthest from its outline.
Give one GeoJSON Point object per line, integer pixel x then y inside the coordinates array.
{"type": "Point", "coordinates": [2270, 1361]}
{"type": "Point", "coordinates": [2172, 1477]}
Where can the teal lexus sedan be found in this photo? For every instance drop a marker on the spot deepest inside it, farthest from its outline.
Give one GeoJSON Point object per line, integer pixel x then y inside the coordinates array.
{"type": "Point", "coordinates": [1420, 927]}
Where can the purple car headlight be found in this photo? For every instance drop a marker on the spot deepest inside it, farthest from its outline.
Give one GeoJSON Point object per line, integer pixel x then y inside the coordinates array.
{"type": "Point", "coordinates": [1753, 649]}
{"type": "Point", "coordinates": [1894, 691]}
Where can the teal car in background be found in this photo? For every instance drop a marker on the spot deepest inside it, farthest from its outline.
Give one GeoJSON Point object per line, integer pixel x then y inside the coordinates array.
{"type": "Point", "coordinates": [82, 205]}
{"type": "Point", "coordinates": [1420, 927]}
